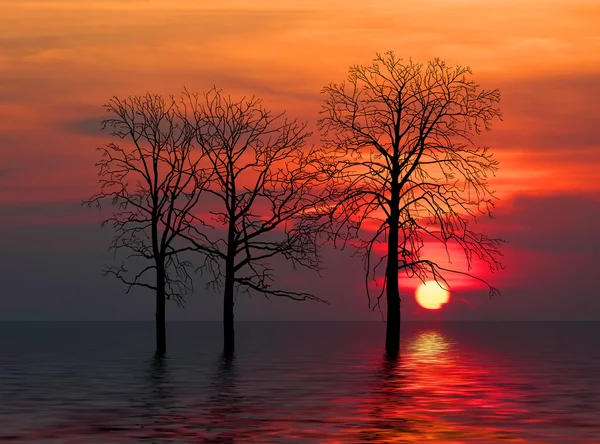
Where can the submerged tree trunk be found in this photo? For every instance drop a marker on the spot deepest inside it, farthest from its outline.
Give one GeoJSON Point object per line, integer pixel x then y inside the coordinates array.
{"type": "Point", "coordinates": [228, 330]}
{"type": "Point", "coordinates": [392, 335]}
{"type": "Point", "coordinates": [161, 333]}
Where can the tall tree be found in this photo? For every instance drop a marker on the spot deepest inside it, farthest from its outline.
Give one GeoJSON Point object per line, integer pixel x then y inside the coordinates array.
{"type": "Point", "coordinates": [152, 179]}
{"type": "Point", "coordinates": [404, 134]}
{"type": "Point", "coordinates": [266, 192]}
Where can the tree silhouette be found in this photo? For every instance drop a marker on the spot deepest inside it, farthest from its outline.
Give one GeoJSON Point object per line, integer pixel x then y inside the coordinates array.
{"type": "Point", "coordinates": [404, 134]}
{"type": "Point", "coordinates": [152, 179]}
{"type": "Point", "coordinates": [266, 192]}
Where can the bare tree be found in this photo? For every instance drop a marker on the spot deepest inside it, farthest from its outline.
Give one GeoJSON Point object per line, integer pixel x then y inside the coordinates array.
{"type": "Point", "coordinates": [152, 179]}
{"type": "Point", "coordinates": [266, 192]}
{"type": "Point", "coordinates": [404, 136]}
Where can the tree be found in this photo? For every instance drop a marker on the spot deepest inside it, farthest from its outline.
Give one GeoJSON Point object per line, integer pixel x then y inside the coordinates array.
{"type": "Point", "coordinates": [153, 180]}
{"type": "Point", "coordinates": [404, 134]}
{"type": "Point", "coordinates": [266, 193]}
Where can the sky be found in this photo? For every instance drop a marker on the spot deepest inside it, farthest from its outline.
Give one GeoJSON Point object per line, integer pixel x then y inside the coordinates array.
{"type": "Point", "coordinates": [61, 60]}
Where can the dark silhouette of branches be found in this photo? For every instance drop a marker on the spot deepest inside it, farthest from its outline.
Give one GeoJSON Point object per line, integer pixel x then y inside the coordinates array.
{"type": "Point", "coordinates": [267, 190]}
{"type": "Point", "coordinates": [404, 134]}
{"type": "Point", "coordinates": [151, 176]}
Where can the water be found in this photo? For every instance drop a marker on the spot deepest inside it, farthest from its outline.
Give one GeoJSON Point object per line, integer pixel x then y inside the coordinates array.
{"type": "Point", "coordinates": [300, 382]}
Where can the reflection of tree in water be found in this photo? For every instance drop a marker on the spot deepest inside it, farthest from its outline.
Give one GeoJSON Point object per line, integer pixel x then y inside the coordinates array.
{"type": "Point", "coordinates": [166, 416]}
{"type": "Point", "coordinates": [157, 378]}
{"type": "Point", "coordinates": [382, 423]}
{"type": "Point", "coordinates": [394, 410]}
{"type": "Point", "coordinates": [218, 414]}
{"type": "Point", "coordinates": [225, 404]}
{"type": "Point", "coordinates": [233, 413]}
{"type": "Point", "coordinates": [158, 402]}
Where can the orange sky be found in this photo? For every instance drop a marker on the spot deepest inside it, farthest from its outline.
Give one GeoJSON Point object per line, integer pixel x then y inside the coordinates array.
{"type": "Point", "coordinates": [61, 60]}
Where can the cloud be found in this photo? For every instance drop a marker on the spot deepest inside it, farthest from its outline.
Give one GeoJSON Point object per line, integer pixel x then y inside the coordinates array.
{"type": "Point", "coordinates": [7, 171]}
{"type": "Point", "coordinates": [560, 224]}
{"type": "Point", "coordinates": [87, 126]}
{"type": "Point", "coordinates": [549, 113]}
{"type": "Point", "coordinates": [20, 215]}
{"type": "Point", "coordinates": [110, 28]}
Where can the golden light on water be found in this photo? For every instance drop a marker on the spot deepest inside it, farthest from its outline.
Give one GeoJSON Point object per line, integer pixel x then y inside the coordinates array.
{"type": "Point", "coordinates": [431, 295]}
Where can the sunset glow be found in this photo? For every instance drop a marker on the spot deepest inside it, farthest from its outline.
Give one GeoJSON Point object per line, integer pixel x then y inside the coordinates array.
{"type": "Point", "coordinates": [60, 61]}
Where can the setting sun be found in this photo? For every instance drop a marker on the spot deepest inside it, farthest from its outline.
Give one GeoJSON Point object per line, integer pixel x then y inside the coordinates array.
{"type": "Point", "coordinates": [431, 295]}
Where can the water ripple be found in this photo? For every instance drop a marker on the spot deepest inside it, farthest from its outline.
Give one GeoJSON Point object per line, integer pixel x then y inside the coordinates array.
{"type": "Point", "coordinates": [301, 383]}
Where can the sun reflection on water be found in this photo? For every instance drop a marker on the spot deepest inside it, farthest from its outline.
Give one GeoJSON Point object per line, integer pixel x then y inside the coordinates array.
{"type": "Point", "coordinates": [431, 393]}
{"type": "Point", "coordinates": [429, 346]}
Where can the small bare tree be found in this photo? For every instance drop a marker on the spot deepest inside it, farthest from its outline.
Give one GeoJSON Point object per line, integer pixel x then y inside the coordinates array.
{"type": "Point", "coordinates": [404, 136]}
{"type": "Point", "coordinates": [266, 192]}
{"type": "Point", "coordinates": [152, 179]}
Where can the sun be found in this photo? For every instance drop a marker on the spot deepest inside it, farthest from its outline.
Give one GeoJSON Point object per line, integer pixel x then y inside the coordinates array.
{"type": "Point", "coordinates": [431, 295]}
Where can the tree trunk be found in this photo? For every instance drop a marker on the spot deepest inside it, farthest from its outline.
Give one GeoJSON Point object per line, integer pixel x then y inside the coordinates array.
{"type": "Point", "coordinates": [228, 330]}
{"type": "Point", "coordinates": [392, 334]}
{"type": "Point", "coordinates": [161, 333]}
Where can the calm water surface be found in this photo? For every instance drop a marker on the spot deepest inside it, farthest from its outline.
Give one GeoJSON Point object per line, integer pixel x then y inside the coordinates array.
{"type": "Point", "coordinates": [300, 382]}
